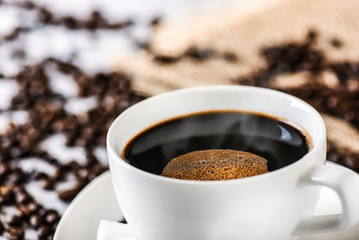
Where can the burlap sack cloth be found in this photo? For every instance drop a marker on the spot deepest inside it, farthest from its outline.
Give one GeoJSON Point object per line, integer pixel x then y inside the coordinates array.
{"type": "Point", "coordinates": [244, 31]}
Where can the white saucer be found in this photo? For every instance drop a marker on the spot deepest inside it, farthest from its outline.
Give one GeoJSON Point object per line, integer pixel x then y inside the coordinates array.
{"type": "Point", "coordinates": [97, 202]}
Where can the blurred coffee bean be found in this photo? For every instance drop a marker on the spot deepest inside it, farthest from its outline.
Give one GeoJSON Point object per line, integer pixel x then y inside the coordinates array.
{"type": "Point", "coordinates": [36, 220]}
{"type": "Point", "coordinates": [47, 183]}
{"type": "Point", "coordinates": [24, 210]}
{"type": "Point", "coordinates": [44, 231]}
{"type": "Point", "coordinates": [69, 194]}
{"type": "Point", "coordinates": [4, 168]}
{"type": "Point", "coordinates": [22, 197]}
{"type": "Point", "coordinates": [51, 217]}
{"type": "Point", "coordinates": [230, 57]}
{"type": "Point", "coordinates": [33, 207]}
{"type": "Point", "coordinates": [14, 233]}
{"type": "Point", "coordinates": [199, 54]}
{"type": "Point", "coordinates": [16, 221]}
{"type": "Point", "coordinates": [1, 228]}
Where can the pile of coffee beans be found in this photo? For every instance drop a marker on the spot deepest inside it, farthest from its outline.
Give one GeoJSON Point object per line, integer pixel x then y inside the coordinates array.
{"type": "Point", "coordinates": [45, 17]}
{"type": "Point", "coordinates": [47, 116]}
{"type": "Point", "coordinates": [340, 101]}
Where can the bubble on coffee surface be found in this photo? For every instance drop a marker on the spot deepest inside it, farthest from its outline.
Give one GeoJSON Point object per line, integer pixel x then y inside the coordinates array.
{"type": "Point", "coordinates": [217, 164]}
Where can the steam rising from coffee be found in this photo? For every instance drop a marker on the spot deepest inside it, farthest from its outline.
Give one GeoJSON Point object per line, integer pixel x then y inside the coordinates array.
{"type": "Point", "coordinates": [270, 138]}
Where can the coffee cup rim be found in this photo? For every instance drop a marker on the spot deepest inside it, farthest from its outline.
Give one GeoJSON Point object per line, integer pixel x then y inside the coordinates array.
{"type": "Point", "coordinates": [278, 172]}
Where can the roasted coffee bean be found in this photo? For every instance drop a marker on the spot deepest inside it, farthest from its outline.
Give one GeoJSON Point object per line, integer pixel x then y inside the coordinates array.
{"type": "Point", "coordinates": [1, 228]}
{"type": "Point", "coordinates": [83, 173]}
{"type": "Point", "coordinates": [68, 195]}
{"type": "Point", "coordinates": [36, 220]}
{"type": "Point", "coordinates": [22, 197]}
{"type": "Point", "coordinates": [4, 168]}
{"type": "Point", "coordinates": [51, 217]}
{"type": "Point", "coordinates": [14, 233]}
{"type": "Point", "coordinates": [16, 221]}
{"type": "Point", "coordinates": [5, 191]}
{"type": "Point", "coordinates": [352, 162]}
{"type": "Point", "coordinates": [333, 156]}
{"type": "Point", "coordinates": [155, 21]}
{"type": "Point", "coordinates": [312, 36]}
{"type": "Point", "coordinates": [5, 200]}
{"type": "Point", "coordinates": [336, 43]}
{"type": "Point", "coordinates": [162, 59]}
{"type": "Point", "coordinates": [16, 177]}
{"type": "Point", "coordinates": [44, 231]}
{"type": "Point", "coordinates": [25, 211]}
{"type": "Point", "coordinates": [199, 54]}
{"type": "Point", "coordinates": [39, 175]}
{"type": "Point", "coordinates": [59, 174]}
{"type": "Point", "coordinates": [33, 207]}
{"type": "Point", "coordinates": [230, 57]}
{"type": "Point", "coordinates": [47, 183]}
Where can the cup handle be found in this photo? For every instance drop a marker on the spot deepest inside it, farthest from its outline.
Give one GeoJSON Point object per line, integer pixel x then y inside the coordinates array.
{"type": "Point", "coordinates": [346, 184]}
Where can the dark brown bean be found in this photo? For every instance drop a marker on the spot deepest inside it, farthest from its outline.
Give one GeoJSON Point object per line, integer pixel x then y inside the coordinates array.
{"type": "Point", "coordinates": [230, 57]}
{"type": "Point", "coordinates": [4, 168]}
{"type": "Point", "coordinates": [36, 220]}
{"type": "Point", "coordinates": [199, 54]}
{"type": "Point", "coordinates": [335, 42]}
{"type": "Point", "coordinates": [68, 195]}
{"type": "Point", "coordinates": [51, 217]}
{"type": "Point", "coordinates": [24, 209]}
{"type": "Point", "coordinates": [2, 228]}
{"type": "Point", "coordinates": [15, 221]}
{"type": "Point", "coordinates": [14, 233]}
{"type": "Point", "coordinates": [33, 207]}
{"type": "Point", "coordinates": [22, 197]}
{"type": "Point", "coordinates": [44, 231]}
{"type": "Point", "coordinates": [162, 59]}
{"type": "Point", "coordinates": [47, 183]}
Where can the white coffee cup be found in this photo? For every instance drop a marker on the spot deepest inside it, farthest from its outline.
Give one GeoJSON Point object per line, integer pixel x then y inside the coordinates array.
{"type": "Point", "coordinates": [277, 205]}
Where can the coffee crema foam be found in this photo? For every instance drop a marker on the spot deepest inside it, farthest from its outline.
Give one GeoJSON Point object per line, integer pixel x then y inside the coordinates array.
{"type": "Point", "coordinates": [216, 164]}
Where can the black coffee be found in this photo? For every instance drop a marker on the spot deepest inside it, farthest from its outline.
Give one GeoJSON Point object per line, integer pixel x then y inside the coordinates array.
{"type": "Point", "coordinates": [278, 142]}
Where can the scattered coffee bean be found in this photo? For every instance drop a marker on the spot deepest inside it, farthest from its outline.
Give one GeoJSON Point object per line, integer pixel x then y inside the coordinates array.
{"type": "Point", "coordinates": [199, 54]}
{"type": "Point", "coordinates": [14, 233]}
{"type": "Point", "coordinates": [36, 220]}
{"type": "Point", "coordinates": [68, 195]}
{"type": "Point", "coordinates": [22, 197]}
{"type": "Point", "coordinates": [162, 59]}
{"type": "Point", "coordinates": [1, 228]}
{"type": "Point", "coordinates": [336, 43]}
{"type": "Point", "coordinates": [25, 211]}
{"type": "Point", "coordinates": [155, 21]}
{"type": "Point", "coordinates": [33, 207]}
{"type": "Point", "coordinates": [230, 57]}
{"type": "Point", "coordinates": [47, 183]}
{"type": "Point", "coordinates": [51, 217]}
{"type": "Point", "coordinates": [44, 231]}
{"type": "Point", "coordinates": [83, 173]}
{"type": "Point", "coordinates": [15, 221]}
{"type": "Point", "coordinates": [4, 167]}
